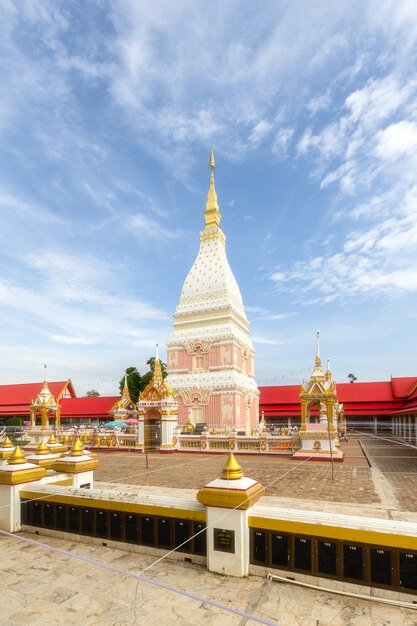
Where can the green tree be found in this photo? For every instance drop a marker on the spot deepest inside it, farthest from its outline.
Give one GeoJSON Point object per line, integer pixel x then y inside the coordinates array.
{"type": "Point", "coordinates": [134, 383]}
{"type": "Point", "coordinates": [93, 393]}
{"type": "Point", "coordinates": [137, 383]}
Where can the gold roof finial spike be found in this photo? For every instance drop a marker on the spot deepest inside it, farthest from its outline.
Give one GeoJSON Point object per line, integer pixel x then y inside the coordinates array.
{"type": "Point", "coordinates": [212, 161]}
{"type": "Point", "coordinates": [52, 439]}
{"type": "Point", "coordinates": [125, 393]}
{"type": "Point", "coordinates": [77, 449]}
{"type": "Point", "coordinates": [212, 214]}
{"type": "Point", "coordinates": [328, 371]}
{"type": "Point", "coordinates": [17, 458]}
{"type": "Point", "coordinates": [7, 443]}
{"type": "Point", "coordinates": [157, 369]}
{"type": "Point", "coordinates": [318, 359]}
{"type": "Point", "coordinates": [231, 469]}
{"type": "Point", "coordinates": [42, 449]}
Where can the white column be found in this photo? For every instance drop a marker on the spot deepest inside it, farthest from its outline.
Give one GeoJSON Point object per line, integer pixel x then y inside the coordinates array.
{"type": "Point", "coordinates": [168, 424]}
{"type": "Point", "coordinates": [375, 425]}
{"type": "Point", "coordinates": [227, 524]}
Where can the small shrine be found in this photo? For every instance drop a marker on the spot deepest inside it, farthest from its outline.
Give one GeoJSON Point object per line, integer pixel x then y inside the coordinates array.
{"type": "Point", "coordinates": [124, 408]}
{"type": "Point", "coordinates": [320, 415]}
{"type": "Point", "coordinates": [45, 416]}
{"type": "Point", "coordinates": [157, 411]}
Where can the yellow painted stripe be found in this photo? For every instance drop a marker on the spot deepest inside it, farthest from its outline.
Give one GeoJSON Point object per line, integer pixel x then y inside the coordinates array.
{"type": "Point", "coordinates": [335, 532]}
{"type": "Point", "coordinates": [126, 507]}
{"type": "Point", "coordinates": [66, 482]}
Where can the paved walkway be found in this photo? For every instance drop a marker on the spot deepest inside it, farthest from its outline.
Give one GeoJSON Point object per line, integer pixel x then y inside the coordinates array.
{"type": "Point", "coordinates": [45, 588]}
{"type": "Point", "coordinates": [306, 480]}
{"type": "Point", "coordinates": [397, 463]}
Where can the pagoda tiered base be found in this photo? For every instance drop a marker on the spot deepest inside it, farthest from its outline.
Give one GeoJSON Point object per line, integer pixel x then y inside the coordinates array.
{"type": "Point", "coordinates": [36, 436]}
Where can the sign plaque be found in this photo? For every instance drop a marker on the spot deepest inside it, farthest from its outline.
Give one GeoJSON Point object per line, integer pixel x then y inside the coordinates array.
{"type": "Point", "coordinates": [224, 540]}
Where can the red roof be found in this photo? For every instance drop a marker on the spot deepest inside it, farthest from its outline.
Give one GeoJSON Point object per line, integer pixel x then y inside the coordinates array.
{"type": "Point", "coordinates": [403, 387]}
{"type": "Point", "coordinates": [16, 399]}
{"type": "Point", "coordinates": [88, 407]}
{"type": "Point", "coordinates": [369, 398]}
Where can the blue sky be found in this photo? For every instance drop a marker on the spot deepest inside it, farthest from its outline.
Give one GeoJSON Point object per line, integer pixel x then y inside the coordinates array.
{"type": "Point", "coordinates": [107, 114]}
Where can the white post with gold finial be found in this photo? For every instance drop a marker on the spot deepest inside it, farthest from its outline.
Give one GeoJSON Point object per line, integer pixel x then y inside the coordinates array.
{"type": "Point", "coordinates": [228, 500]}
{"type": "Point", "coordinates": [79, 465]}
{"type": "Point", "coordinates": [13, 477]}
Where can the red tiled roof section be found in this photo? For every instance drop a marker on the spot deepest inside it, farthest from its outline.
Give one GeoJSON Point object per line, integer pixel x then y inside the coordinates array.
{"type": "Point", "coordinates": [88, 407]}
{"type": "Point", "coordinates": [365, 392]}
{"type": "Point", "coordinates": [285, 393]}
{"type": "Point", "coordinates": [24, 393]}
{"type": "Point", "coordinates": [405, 386]}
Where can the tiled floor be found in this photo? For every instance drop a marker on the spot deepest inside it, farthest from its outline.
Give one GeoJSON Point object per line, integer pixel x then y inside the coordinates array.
{"type": "Point", "coordinates": [352, 482]}
{"type": "Point", "coordinates": [41, 587]}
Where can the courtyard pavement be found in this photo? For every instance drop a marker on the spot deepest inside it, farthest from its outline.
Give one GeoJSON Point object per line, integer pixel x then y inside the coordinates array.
{"type": "Point", "coordinates": [41, 587]}
{"type": "Point", "coordinates": [354, 481]}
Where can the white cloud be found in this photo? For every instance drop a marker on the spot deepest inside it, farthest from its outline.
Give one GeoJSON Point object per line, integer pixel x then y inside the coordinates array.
{"type": "Point", "coordinates": [396, 140]}
{"type": "Point", "coordinates": [269, 341]}
{"type": "Point", "coordinates": [148, 228]}
{"type": "Point", "coordinates": [259, 132]}
{"type": "Point", "coordinates": [282, 141]}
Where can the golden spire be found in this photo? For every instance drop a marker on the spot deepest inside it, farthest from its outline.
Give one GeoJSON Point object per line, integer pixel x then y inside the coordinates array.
{"type": "Point", "coordinates": [52, 440]}
{"type": "Point", "coordinates": [77, 449]}
{"type": "Point", "coordinates": [42, 449]}
{"type": "Point", "coordinates": [212, 214]}
{"type": "Point", "coordinates": [17, 458]}
{"type": "Point", "coordinates": [125, 393]}
{"type": "Point", "coordinates": [157, 369]}
{"type": "Point", "coordinates": [231, 469]}
{"type": "Point", "coordinates": [212, 163]}
{"type": "Point", "coordinates": [328, 371]}
{"type": "Point", "coordinates": [7, 443]}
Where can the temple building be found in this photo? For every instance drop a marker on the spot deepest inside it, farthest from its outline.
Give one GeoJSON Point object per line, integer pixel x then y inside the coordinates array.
{"type": "Point", "coordinates": [321, 414]}
{"type": "Point", "coordinates": [210, 356]}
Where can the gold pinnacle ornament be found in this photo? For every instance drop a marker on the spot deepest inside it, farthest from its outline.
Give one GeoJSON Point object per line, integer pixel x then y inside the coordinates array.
{"type": "Point", "coordinates": [231, 469]}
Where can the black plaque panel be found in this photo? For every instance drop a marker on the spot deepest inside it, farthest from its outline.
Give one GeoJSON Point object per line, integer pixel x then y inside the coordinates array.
{"type": "Point", "coordinates": [259, 546]}
{"type": "Point", "coordinates": [279, 550]}
{"type": "Point", "coordinates": [61, 517]}
{"type": "Point", "coordinates": [164, 533]}
{"type": "Point", "coordinates": [224, 540]}
{"type": "Point", "coordinates": [381, 566]}
{"type": "Point", "coordinates": [87, 521]}
{"type": "Point", "coordinates": [182, 534]}
{"type": "Point", "coordinates": [326, 562]}
{"type": "Point", "coordinates": [73, 519]}
{"type": "Point", "coordinates": [131, 527]}
{"type": "Point", "coordinates": [36, 514]}
{"type": "Point", "coordinates": [408, 570]}
{"type": "Point", "coordinates": [101, 524]}
{"type": "Point", "coordinates": [49, 515]}
{"type": "Point", "coordinates": [353, 562]}
{"type": "Point", "coordinates": [147, 531]}
{"type": "Point", "coordinates": [302, 553]}
{"type": "Point", "coordinates": [115, 526]}
{"type": "Point", "coordinates": [200, 539]}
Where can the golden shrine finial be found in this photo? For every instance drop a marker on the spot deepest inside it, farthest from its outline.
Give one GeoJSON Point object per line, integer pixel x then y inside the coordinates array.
{"type": "Point", "coordinates": [318, 359]}
{"type": "Point", "coordinates": [157, 369]}
{"type": "Point", "coordinates": [231, 469]}
{"type": "Point", "coordinates": [212, 214]}
{"type": "Point", "coordinates": [17, 458]}
{"type": "Point", "coordinates": [77, 449]}
{"type": "Point", "coordinates": [328, 371]}
{"type": "Point", "coordinates": [212, 163]}
{"type": "Point", "coordinates": [7, 443]}
{"type": "Point", "coordinates": [125, 393]}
